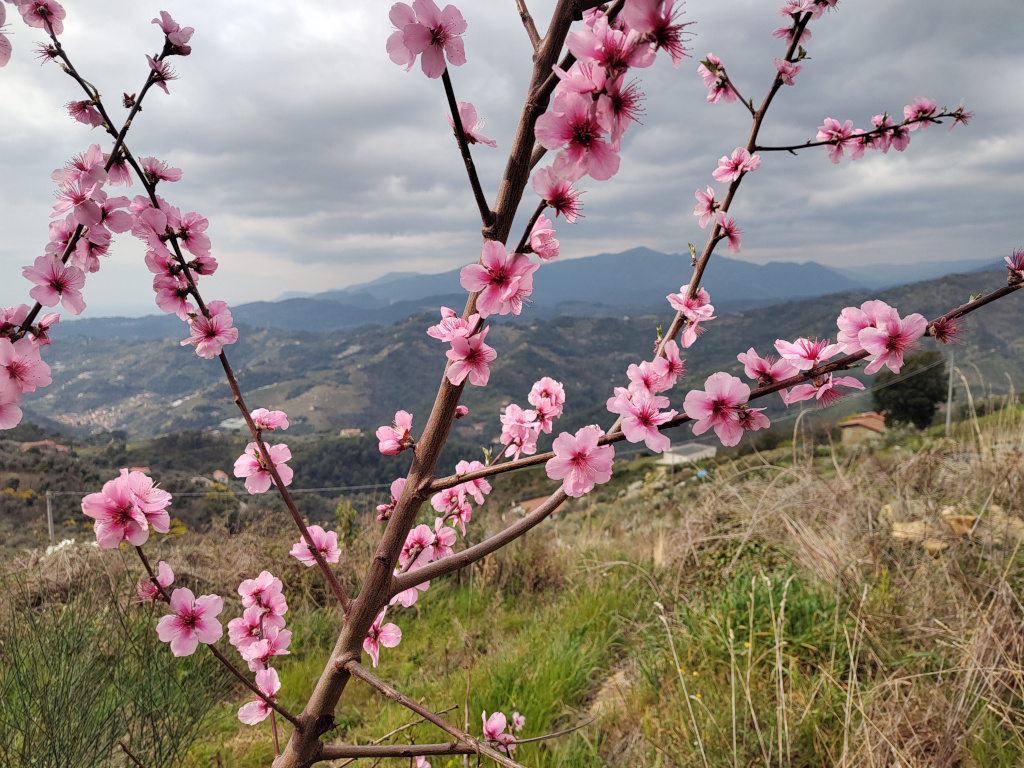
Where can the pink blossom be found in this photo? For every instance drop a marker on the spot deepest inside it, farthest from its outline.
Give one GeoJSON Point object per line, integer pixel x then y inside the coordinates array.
{"type": "Point", "coordinates": [158, 170]}
{"type": "Point", "coordinates": [396, 438]}
{"type": "Point", "coordinates": [765, 370]}
{"type": "Point", "coordinates": [883, 140]}
{"type": "Point", "coordinates": [572, 123]}
{"type": "Point", "coordinates": [268, 421]}
{"type": "Point", "coordinates": [5, 44]}
{"type": "Point", "coordinates": [444, 538]}
{"type": "Point", "coordinates": [162, 73]}
{"type": "Point", "coordinates": [823, 388]}
{"type": "Point", "coordinates": [788, 33]}
{"type": "Point", "coordinates": [542, 239]}
{"type": "Point", "coordinates": [476, 488]}
{"type": "Point", "coordinates": [452, 503]}
{"type": "Point", "coordinates": [852, 321]}
{"type": "Point", "coordinates": [887, 342]}
{"type": "Point", "coordinates": [246, 629]}
{"type": "Point", "coordinates": [718, 406]}
{"type": "Point", "coordinates": [257, 710]}
{"type": "Point", "coordinates": [787, 70]}
{"type": "Point", "coordinates": [425, 29]}
{"type": "Point", "coordinates": [656, 21]}
{"type": "Point", "coordinates": [12, 318]}
{"type": "Point", "coordinates": [42, 327]}
{"type": "Point", "coordinates": [731, 168]}
{"type": "Point", "coordinates": [713, 75]}
{"type": "Point", "coordinates": [453, 326]}
{"type": "Point", "coordinates": [558, 193]}
{"type": "Point", "coordinates": [417, 548]}
{"type": "Point", "coordinates": [146, 591]}
{"type": "Point", "coordinates": [389, 636]}
{"type": "Point", "coordinates": [579, 462]}
{"type": "Point", "coordinates": [172, 296]}
{"type": "Point", "coordinates": [258, 478]}
{"type": "Point", "coordinates": [84, 112]}
{"type": "Point", "coordinates": [470, 357]}
{"type": "Point", "coordinates": [641, 416]}
{"type": "Point", "coordinates": [274, 642]}
{"type": "Point", "coordinates": [730, 232]}
{"type": "Point", "coordinates": [1015, 264]}
{"type": "Point", "coordinates": [804, 354]}
{"type": "Point", "coordinates": [947, 331]}
{"type": "Point", "coordinates": [648, 376]}
{"type": "Point", "coordinates": [461, 411]}
{"type": "Point", "coordinates": [10, 413]}
{"type": "Point", "coordinates": [265, 591]}
{"type": "Point", "coordinates": [111, 218]}
{"type": "Point", "coordinates": [518, 721]}
{"type": "Point", "coordinates": [472, 125]}
{"type": "Point", "coordinates": [211, 334]}
{"type": "Point", "coordinates": [503, 279]}
{"type": "Point", "coordinates": [408, 597]}
{"type": "Point", "coordinates": [494, 730]}
{"type": "Point", "coordinates": [706, 206]}
{"type": "Point", "coordinates": [326, 543]}
{"type": "Point", "coordinates": [841, 136]}
{"type": "Point", "coordinates": [919, 110]}
{"type": "Point", "coordinates": [42, 14]}
{"type": "Point", "coordinates": [120, 173]}
{"type": "Point", "coordinates": [622, 101]}
{"type": "Point", "coordinates": [548, 389]}
{"type": "Point", "coordinates": [582, 77]}
{"type": "Point", "coordinates": [56, 282]}
{"type": "Point", "coordinates": [78, 196]}
{"type": "Point", "coordinates": [384, 510]}
{"type": "Point", "coordinates": [675, 366]}
{"type": "Point", "coordinates": [519, 431]}
{"type": "Point", "coordinates": [150, 499]}
{"type": "Point", "coordinates": [21, 365]}
{"type": "Point", "coordinates": [192, 621]}
{"type": "Point", "coordinates": [697, 309]}
{"type": "Point", "coordinates": [177, 35]}
{"type": "Point", "coordinates": [613, 49]}
{"type": "Point", "coordinates": [191, 231]}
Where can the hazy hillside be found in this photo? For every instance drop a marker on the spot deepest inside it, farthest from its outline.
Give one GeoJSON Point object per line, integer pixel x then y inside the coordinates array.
{"type": "Point", "coordinates": [333, 380]}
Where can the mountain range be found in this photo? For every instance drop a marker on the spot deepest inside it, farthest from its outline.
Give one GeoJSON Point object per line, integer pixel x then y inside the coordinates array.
{"type": "Point", "coordinates": [606, 285]}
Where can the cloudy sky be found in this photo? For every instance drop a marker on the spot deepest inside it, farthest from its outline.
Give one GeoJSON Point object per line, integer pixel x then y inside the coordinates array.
{"type": "Point", "coordinates": [320, 164]}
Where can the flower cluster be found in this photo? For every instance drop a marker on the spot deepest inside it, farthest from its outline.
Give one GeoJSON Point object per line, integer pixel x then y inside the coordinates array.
{"type": "Point", "coordinates": [425, 30]}
{"type": "Point", "coordinates": [640, 405]}
{"type": "Point", "coordinates": [696, 311]}
{"type": "Point", "coordinates": [259, 635]}
{"type": "Point", "coordinates": [520, 427]}
{"type": "Point", "coordinates": [125, 508]}
{"type": "Point", "coordinates": [722, 405]}
{"type": "Point", "coordinates": [252, 466]}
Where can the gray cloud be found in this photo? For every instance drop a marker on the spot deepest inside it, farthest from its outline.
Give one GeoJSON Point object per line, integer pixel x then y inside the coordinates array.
{"type": "Point", "coordinates": [321, 164]}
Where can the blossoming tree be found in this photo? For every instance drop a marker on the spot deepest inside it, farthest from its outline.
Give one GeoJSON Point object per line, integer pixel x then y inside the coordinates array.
{"type": "Point", "coordinates": [580, 103]}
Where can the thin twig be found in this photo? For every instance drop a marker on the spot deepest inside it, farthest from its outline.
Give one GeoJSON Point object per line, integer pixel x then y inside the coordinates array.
{"type": "Point", "coordinates": [486, 214]}
{"type": "Point", "coordinates": [531, 28]}
{"type": "Point", "coordinates": [356, 751]}
{"type": "Point", "coordinates": [388, 735]}
{"type": "Point", "coordinates": [358, 670]}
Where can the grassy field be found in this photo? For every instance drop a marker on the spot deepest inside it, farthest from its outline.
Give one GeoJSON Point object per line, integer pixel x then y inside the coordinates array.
{"type": "Point", "coordinates": [806, 606]}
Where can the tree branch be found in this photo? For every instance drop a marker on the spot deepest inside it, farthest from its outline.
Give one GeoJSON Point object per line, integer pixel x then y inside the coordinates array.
{"type": "Point", "coordinates": [531, 28]}
{"type": "Point", "coordinates": [486, 214]}
{"type": "Point", "coordinates": [479, 747]}
{"type": "Point", "coordinates": [353, 751]}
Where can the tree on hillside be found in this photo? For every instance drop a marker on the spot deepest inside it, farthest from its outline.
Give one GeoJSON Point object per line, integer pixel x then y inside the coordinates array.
{"type": "Point", "coordinates": [914, 394]}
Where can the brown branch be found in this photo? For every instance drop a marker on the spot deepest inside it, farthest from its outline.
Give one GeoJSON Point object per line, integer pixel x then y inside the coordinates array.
{"type": "Point", "coordinates": [860, 136]}
{"type": "Point", "coordinates": [354, 751]}
{"type": "Point", "coordinates": [397, 730]}
{"type": "Point", "coordinates": [486, 214]}
{"type": "Point", "coordinates": [479, 747]}
{"type": "Point", "coordinates": [531, 28]}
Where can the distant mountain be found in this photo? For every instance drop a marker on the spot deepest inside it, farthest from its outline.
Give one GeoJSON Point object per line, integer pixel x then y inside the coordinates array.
{"type": "Point", "coordinates": [874, 276]}
{"type": "Point", "coordinates": [328, 380]}
{"type": "Point", "coordinates": [607, 285]}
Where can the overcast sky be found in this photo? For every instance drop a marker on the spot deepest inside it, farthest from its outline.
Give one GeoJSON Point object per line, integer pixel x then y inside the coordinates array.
{"type": "Point", "coordinates": [320, 164]}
